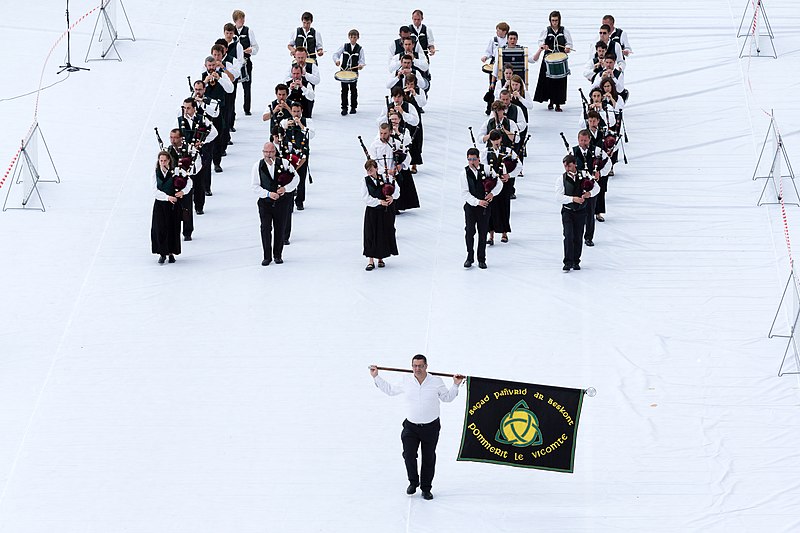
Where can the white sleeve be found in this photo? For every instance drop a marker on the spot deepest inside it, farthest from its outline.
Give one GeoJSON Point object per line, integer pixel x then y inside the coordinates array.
{"type": "Point", "coordinates": [292, 185]}
{"type": "Point", "coordinates": [188, 188]}
{"type": "Point", "coordinates": [559, 189]}
{"type": "Point", "coordinates": [421, 99]}
{"type": "Point", "coordinates": [338, 54]}
{"type": "Point", "coordinates": [212, 134]}
{"type": "Point", "coordinates": [411, 117]}
{"type": "Point", "coordinates": [318, 39]}
{"type": "Point", "coordinates": [226, 82]}
{"type": "Point", "coordinates": [212, 109]}
{"type": "Point", "coordinates": [430, 37]}
{"type": "Point", "coordinates": [313, 76]}
{"type": "Point", "coordinates": [542, 37]}
{"type": "Point", "coordinates": [255, 182]}
{"type": "Point", "coordinates": [386, 387]}
{"type": "Point", "coordinates": [371, 202]}
{"type": "Point", "coordinates": [568, 37]}
{"type": "Point", "coordinates": [308, 92]}
{"type": "Point", "coordinates": [421, 64]}
{"type": "Point", "coordinates": [253, 43]}
{"type": "Point", "coordinates": [465, 194]}
{"type": "Point", "coordinates": [310, 128]}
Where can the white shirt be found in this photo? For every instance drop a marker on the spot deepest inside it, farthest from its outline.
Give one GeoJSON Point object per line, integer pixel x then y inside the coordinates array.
{"type": "Point", "coordinates": [158, 194]}
{"type": "Point", "coordinates": [311, 77]}
{"type": "Point", "coordinates": [422, 399]}
{"type": "Point", "coordinates": [494, 44]}
{"type": "Point", "coordinates": [371, 201]}
{"type": "Point", "coordinates": [410, 117]}
{"type": "Point", "coordinates": [563, 198]}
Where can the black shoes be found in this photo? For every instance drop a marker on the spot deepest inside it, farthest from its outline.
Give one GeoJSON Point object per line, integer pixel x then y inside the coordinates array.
{"type": "Point", "coordinates": [371, 266]}
{"type": "Point", "coordinates": [286, 242]}
{"type": "Point", "coordinates": [300, 207]}
{"type": "Point", "coordinates": [353, 111]}
{"type": "Point", "coordinates": [426, 494]}
{"type": "Point", "coordinates": [278, 261]}
{"type": "Point", "coordinates": [199, 211]}
{"type": "Point", "coordinates": [468, 263]}
{"type": "Point", "coordinates": [576, 267]}
{"type": "Point", "coordinates": [248, 113]}
{"type": "Point", "coordinates": [344, 112]}
{"type": "Point", "coordinates": [265, 262]}
{"type": "Point", "coordinates": [217, 169]}
{"type": "Point", "coordinates": [187, 237]}
{"type": "Point", "coordinates": [411, 488]}
{"type": "Point", "coordinates": [566, 268]}
{"type": "Point", "coordinates": [481, 264]}
{"type": "Point", "coordinates": [162, 259]}
{"type": "Point", "coordinates": [381, 264]}
{"type": "Point", "coordinates": [490, 242]}
{"type": "Point", "coordinates": [171, 259]}
{"type": "Point", "coordinates": [234, 131]}
{"type": "Point", "coordinates": [589, 242]}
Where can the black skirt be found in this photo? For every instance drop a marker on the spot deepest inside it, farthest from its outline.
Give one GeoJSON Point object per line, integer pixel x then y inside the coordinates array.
{"type": "Point", "coordinates": [379, 233]}
{"type": "Point", "coordinates": [415, 149]}
{"type": "Point", "coordinates": [409, 199]}
{"type": "Point", "coordinates": [165, 230]}
{"type": "Point", "coordinates": [500, 220]}
{"type": "Point", "coordinates": [550, 89]}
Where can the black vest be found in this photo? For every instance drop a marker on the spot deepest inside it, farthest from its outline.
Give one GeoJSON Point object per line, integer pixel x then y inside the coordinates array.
{"type": "Point", "coordinates": [492, 125]}
{"type": "Point", "coordinates": [215, 92]}
{"type": "Point", "coordinates": [375, 190]}
{"type": "Point", "coordinates": [398, 46]}
{"type": "Point", "coordinates": [422, 36]}
{"type": "Point", "coordinates": [268, 183]}
{"type": "Point", "coordinates": [309, 43]}
{"type": "Point", "coordinates": [584, 163]}
{"type": "Point", "coordinates": [233, 52]}
{"type": "Point", "coordinates": [165, 184]}
{"type": "Point", "coordinates": [244, 38]}
{"type": "Point", "coordinates": [475, 183]}
{"type": "Point", "coordinates": [553, 38]}
{"type": "Point", "coordinates": [573, 188]}
{"type": "Point", "coordinates": [616, 37]}
{"type": "Point", "coordinates": [350, 56]}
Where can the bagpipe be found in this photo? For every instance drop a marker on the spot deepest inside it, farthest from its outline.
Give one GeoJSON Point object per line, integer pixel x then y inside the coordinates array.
{"type": "Point", "coordinates": [387, 185]}
{"type": "Point", "coordinates": [612, 139]}
{"type": "Point", "coordinates": [287, 152]}
{"type": "Point", "coordinates": [488, 182]}
{"type": "Point", "coordinates": [185, 162]}
{"type": "Point", "coordinates": [398, 154]}
{"type": "Point", "coordinates": [587, 183]}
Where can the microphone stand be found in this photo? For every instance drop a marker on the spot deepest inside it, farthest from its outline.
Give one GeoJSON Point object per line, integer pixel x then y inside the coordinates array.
{"type": "Point", "coordinates": [69, 67]}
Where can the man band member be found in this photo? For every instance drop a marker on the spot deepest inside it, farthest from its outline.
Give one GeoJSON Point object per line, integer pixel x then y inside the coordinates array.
{"type": "Point", "coordinates": [249, 44]}
{"type": "Point", "coordinates": [497, 42]}
{"type": "Point", "coordinates": [196, 127]}
{"type": "Point", "coordinates": [273, 200]}
{"type": "Point", "coordinates": [178, 153]}
{"type": "Point", "coordinates": [219, 84]}
{"type": "Point", "coordinates": [300, 90]}
{"type": "Point", "coordinates": [299, 131]}
{"type": "Point", "coordinates": [307, 37]}
{"type": "Point", "coordinates": [573, 192]}
{"type": "Point", "coordinates": [617, 35]}
{"type": "Point", "coordinates": [421, 34]}
{"type": "Point", "coordinates": [591, 162]}
{"type": "Point", "coordinates": [423, 394]}
{"type": "Point", "coordinates": [310, 76]}
{"type": "Point", "coordinates": [279, 109]}
{"type": "Point", "coordinates": [476, 206]}
{"type": "Point", "coordinates": [350, 56]}
{"type": "Point", "coordinates": [397, 46]}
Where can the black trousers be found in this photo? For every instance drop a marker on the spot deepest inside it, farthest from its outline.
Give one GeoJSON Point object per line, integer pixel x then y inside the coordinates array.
{"type": "Point", "coordinates": [246, 85]}
{"type": "Point", "coordinates": [289, 212]}
{"type": "Point", "coordinates": [221, 142]}
{"type": "Point", "coordinates": [202, 181]}
{"type": "Point", "coordinates": [273, 222]}
{"type": "Point", "coordinates": [591, 204]}
{"type": "Point", "coordinates": [476, 218]}
{"type": "Point", "coordinates": [300, 193]}
{"type": "Point", "coordinates": [187, 213]}
{"type": "Point", "coordinates": [428, 436]}
{"type": "Point", "coordinates": [573, 223]}
{"type": "Point", "coordinates": [231, 118]}
{"type": "Point", "coordinates": [353, 89]}
{"type": "Point", "coordinates": [600, 206]}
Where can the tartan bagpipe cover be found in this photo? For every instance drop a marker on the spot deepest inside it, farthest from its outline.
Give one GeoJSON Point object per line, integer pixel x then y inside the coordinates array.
{"type": "Point", "coordinates": [520, 424]}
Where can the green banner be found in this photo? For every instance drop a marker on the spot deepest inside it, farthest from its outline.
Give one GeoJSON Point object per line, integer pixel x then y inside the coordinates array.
{"type": "Point", "coordinates": [520, 424]}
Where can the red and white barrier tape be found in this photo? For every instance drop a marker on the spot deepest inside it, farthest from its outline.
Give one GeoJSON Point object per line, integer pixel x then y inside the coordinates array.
{"type": "Point", "coordinates": [39, 89]}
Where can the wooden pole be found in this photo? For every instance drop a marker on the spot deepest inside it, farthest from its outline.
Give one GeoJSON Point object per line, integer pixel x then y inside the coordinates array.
{"type": "Point", "coordinates": [390, 369]}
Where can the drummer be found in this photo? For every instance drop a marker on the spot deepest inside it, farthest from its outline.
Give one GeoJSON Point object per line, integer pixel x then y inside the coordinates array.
{"type": "Point", "coordinates": [499, 40]}
{"type": "Point", "coordinates": [350, 57]}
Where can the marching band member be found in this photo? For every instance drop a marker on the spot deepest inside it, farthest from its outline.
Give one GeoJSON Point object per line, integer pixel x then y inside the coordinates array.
{"type": "Point", "coordinates": [218, 84]}
{"type": "Point", "coordinates": [182, 162]}
{"type": "Point", "coordinates": [300, 90]}
{"type": "Point", "coordinates": [594, 66]}
{"type": "Point", "coordinates": [233, 65]}
{"type": "Point", "coordinates": [501, 163]}
{"type": "Point", "coordinates": [397, 45]}
{"type": "Point", "coordinates": [271, 180]}
{"type": "Point", "coordinates": [379, 193]}
{"type": "Point", "coordinates": [247, 39]}
{"type": "Point", "coordinates": [196, 128]}
{"type": "Point", "coordinates": [573, 192]}
{"type": "Point", "coordinates": [590, 163]}
{"type": "Point", "coordinates": [499, 120]}
{"type": "Point", "coordinates": [407, 111]}
{"type": "Point", "coordinates": [421, 34]}
{"type": "Point", "coordinates": [520, 98]}
{"type": "Point", "coordinates": [279, 109]}
{"type": "Point", "coordinates": [511, 44]}
{"type": "Point", "coordinates": [405, 68]}
{"type": "Point", "coordinates": [612, 72]}
{"type": "Point", "coordinates": [380, 150]}
{"type": "Point", "coordinates": [299, 131]}
{"type": "Point", "coordinates": [498, 41]}
{"type": "Point", "coordinates": [597, 138]}
{"type": "Point", "coordinates": [554, 38]}
{"type": "Point", "coordinates": [612, 47]}
{"type": "Point", "coordinates": [207, 108]}
{"type": "Point", "coordinates": [165, 229]}
{"type": "Point", "coordinates": [306, 37]}
{"type": "Point", "coordinates": [350, 56]}
{"type": "Point", "coordinates": [419, 64]}
{"type": "Point", "coordinates": [618, 36]}
{"type": "Point", "coordinates": [400, 142]}
{"type": "Point", "coordinates": [310, 73]}
{"type": "Point", "coordinates": [477, 208]}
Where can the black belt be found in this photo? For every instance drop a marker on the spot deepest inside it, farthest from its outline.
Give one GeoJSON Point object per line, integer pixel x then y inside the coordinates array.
{"type": "Point", "coordinates": [421, 425]}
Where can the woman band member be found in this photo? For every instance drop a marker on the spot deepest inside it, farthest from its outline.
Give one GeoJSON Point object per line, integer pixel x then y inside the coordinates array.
{"type": "Point", "coordinates": [165, 231]}
{"type": "Point", "coordinates": [554, 38]}
{"type": "Point", "coordinates": [400, 142]}
{"type": "Point", "coordinates": [379, 193]}
{"type": "Point", "coordinates": [502, 163]}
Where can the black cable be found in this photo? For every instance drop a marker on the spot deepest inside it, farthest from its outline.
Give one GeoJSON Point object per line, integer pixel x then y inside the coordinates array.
{"type": "Point", "coordinates": [36, 91]}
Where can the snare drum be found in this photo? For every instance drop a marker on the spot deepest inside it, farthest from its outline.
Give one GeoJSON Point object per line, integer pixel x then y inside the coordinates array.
{"type": "Point", "coordinates": [346, 76]}
{"type": "Point", "coordinates": [488, 68]}
{"type": "Point", "coordinates": [517, 58]}
{"type": "Point", "coordinates": [557, 65]}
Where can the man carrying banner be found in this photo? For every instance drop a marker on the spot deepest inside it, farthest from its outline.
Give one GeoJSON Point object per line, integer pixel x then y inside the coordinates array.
{"type": "Point", "coordinates": [422, 393]}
